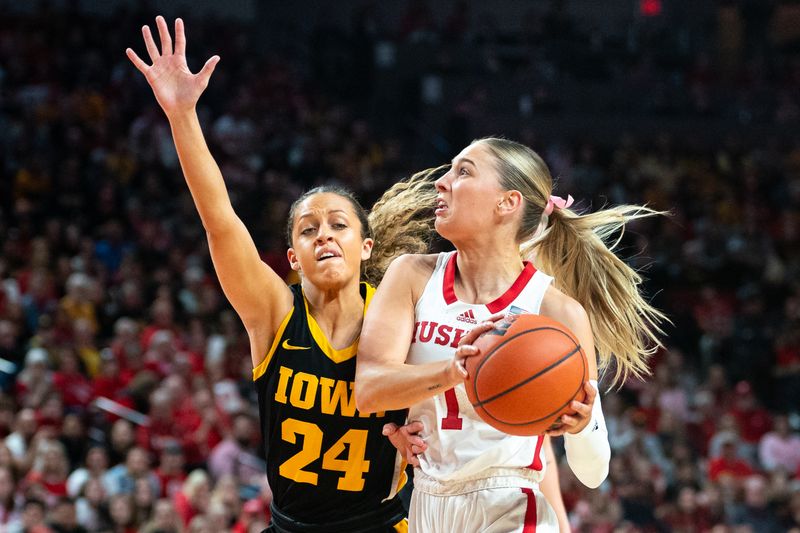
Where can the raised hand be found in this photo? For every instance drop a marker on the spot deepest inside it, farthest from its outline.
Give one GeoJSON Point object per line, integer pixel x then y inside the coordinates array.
{"type": "Point", "coordinates": [176, 89]}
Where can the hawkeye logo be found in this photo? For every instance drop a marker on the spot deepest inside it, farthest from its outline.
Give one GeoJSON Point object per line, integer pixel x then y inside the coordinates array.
{"type": "Point", "coordinates": [287, 346]}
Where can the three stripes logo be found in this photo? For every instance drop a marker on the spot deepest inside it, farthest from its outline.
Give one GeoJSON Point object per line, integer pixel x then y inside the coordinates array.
{"type": "Point", "coordinates": [467, 316]}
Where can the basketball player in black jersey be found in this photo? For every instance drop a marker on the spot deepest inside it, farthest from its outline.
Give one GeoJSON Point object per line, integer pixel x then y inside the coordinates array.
{"type": "Point", "coordinates": [329, 466]}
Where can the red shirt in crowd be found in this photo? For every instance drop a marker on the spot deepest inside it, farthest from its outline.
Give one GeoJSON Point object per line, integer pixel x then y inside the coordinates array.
{"type": "Point", "coordinates": [722, 466]}
{"type": "Point", "coordinates": [170, 483]}
{"type": "Point", "coordinates": [75, 388]}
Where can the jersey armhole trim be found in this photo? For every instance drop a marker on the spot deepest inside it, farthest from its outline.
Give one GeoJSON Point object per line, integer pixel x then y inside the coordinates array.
{"type": "Point", "coordinates": [367, 292]}
{"type": "Point", "coordinates": [262, 367]}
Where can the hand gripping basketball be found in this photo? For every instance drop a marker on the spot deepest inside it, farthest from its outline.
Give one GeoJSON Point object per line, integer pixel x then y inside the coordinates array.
{"type": "Point", "coordinates": [466, 348]}
{"type": "Point", "coordinates": [529, 375]}
{"type": "Point", "coordinates": [575, 422]}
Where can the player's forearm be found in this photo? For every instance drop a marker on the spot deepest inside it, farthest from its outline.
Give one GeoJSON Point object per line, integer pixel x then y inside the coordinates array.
{"type": "Point", "coordinates": [551, 488]}
{"type": "Point", "coordinates": [202, 174]}
{"type": "Point", "coordinates": [394, 387]}
{"type": "Point", "coordinates": [588, 451]}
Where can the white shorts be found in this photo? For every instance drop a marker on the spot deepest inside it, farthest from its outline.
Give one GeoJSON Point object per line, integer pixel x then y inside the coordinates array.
{"type": "Point", "coordinates": [489, 510]}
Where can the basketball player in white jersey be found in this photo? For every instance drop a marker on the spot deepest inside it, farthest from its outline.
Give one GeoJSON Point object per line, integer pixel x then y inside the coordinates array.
{"type": "Point", "coordinates": [495, 205]}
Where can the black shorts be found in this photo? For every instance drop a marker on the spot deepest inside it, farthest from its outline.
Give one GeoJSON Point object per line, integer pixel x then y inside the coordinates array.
{"type": "Point", "coordinates": [389, 518]}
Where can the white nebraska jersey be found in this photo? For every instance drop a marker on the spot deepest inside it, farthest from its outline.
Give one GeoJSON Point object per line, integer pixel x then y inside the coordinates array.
{"type": "Point", "coordinates": [461, 446]}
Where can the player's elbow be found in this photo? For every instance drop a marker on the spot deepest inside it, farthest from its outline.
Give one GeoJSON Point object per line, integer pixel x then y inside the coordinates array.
{"type": "Point", "coordinates": [367, 395]}
{"type": "Point", "coordinates": [366, 401]}
{"type": "Point", "coordinates": [593, 469]}
{"type": "Point", "coordinates": [589, 457]}
{"type": "Point", "coordinates": [595, 477]}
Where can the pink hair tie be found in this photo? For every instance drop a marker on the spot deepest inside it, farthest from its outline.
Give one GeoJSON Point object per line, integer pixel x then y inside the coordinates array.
{"type": "Point", "coordinates": [557, 201]}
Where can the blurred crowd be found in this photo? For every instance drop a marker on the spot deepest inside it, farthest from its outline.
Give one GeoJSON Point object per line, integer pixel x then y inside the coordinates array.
{"type": "Point", "coordinates": [126, 400]}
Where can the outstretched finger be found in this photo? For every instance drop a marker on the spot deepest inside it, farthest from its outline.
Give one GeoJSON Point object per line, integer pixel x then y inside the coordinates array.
{"type": "Point", "coordinates": [208, 69]}
{"type": "Point", "coordinates": [137, 61]}
{"type": "Point", "coordinates": [166, 38]}
{"type": "Point", "coordinates": [180, 38]}
{"type": "Point", "coordinates": [152, 49]}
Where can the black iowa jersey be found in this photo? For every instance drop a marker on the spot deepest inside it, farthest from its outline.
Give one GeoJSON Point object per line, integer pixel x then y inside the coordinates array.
{"type": "Point", "coordinates": [326, 462]}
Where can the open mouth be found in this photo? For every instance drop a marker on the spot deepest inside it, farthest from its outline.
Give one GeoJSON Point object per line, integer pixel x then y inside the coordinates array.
{"type": "Point", "coordinates": [327, 255]}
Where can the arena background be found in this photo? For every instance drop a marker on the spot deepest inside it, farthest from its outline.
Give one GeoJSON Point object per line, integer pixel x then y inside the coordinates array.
{"type": "Point", "coordinates": [110, 313]}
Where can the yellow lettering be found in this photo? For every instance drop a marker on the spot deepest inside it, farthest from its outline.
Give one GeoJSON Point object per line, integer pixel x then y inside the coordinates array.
{"type": "Point", "coordinates": [312, 446]}
{"type": "Point", "coordinates": [304, 390]}
{"type": "Point", "coordinates": [283, 382]}
{"type": "Point", "coordinates": [335, 392]}
{"type": "Point", "coordinates": [354, 465]}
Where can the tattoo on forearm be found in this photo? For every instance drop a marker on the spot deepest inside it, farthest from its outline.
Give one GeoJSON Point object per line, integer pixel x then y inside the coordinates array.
{"type": "Point", "coordinates": [434, 387]}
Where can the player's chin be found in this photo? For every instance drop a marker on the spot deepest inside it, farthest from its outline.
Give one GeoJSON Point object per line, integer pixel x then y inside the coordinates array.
{"type": "Point", "coordinates": [443, 226]}
{"type": "Point", "coordinates": [330, 278]}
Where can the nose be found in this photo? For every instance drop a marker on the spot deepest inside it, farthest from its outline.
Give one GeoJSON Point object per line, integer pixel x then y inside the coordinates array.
{"type": "Point", "coordinates": [324, 233]}
{"type": "Point", "coordinates": [443, 182]}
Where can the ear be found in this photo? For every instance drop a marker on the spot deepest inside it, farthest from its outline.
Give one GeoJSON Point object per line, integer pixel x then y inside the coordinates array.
{"type": "Point", "coordinates": [510, 202]}
{"type": "Point", "coordinates": [293, 262]}
{"type": "Point", "coordinates": [366, 249]}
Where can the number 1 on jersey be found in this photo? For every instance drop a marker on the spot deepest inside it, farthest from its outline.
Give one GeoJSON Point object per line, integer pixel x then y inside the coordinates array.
{"type": "Point", "coordinates": [452, 420]}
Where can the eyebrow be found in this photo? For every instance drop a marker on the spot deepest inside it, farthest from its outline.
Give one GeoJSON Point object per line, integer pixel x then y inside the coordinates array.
{"type": "Point", "coordinates": [464, 160]}
{"type": "Point", "coordinates": [311, 213]}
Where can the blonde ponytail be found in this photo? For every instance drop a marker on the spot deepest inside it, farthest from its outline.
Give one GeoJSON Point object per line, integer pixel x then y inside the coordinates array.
{"type": "Point", "coordinates": [577, 250]}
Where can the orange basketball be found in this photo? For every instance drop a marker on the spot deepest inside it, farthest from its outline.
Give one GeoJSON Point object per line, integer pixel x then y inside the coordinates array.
{"type": "Point", "coordinates": [529, 370]}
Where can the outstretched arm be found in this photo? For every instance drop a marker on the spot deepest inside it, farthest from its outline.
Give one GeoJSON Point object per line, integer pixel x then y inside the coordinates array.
{"type": "Point", "coordinates": [255, 291]}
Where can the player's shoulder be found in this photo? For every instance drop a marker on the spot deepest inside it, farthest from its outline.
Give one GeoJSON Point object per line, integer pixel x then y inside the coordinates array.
{"type": "Point", "coordinates": [562, 307]}
{"type": "Point", "coordinates": [415, 264]}
{"type": "Point", "coordinates": [409, 272]}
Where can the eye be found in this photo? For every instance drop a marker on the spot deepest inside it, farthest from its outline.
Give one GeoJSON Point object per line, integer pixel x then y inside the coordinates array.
{"type": "Point", "coordinates": [338, 225]}
{"type": "Point", "coordinates": [463, 172]}
{"type": "Point", "coordinates": [307, 231]}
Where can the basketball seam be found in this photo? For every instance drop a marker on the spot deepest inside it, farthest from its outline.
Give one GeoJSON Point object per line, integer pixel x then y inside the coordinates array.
{"type": "Point", "coordinates": [550, 414]}
{"type": "Point", "coordinates": [503, 343]}
{"type": "Point", "coordinates": [506, 341]}
{"type": "Point", "coordinates": [528, 379]}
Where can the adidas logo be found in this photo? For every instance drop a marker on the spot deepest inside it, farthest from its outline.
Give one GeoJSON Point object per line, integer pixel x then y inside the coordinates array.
{"type": "Point", "coordinates": [468, 317]}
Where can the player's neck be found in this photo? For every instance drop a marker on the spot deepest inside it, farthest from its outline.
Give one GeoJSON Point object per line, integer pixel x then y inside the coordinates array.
{"type": "Point", "coordinates": [484, 275]}
{"type": "Point", "coordinates": [338, 312]}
